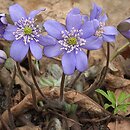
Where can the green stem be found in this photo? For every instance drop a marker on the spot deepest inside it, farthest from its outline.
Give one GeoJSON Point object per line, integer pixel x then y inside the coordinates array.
{"type": "Point", "coordinates": [119, 51]}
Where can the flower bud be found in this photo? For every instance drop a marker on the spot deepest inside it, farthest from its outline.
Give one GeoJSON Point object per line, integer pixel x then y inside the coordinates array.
{"type": "Point", "coordinates": [3, 24]}
{"type": "Point", "coordinates": [3, 57]}
{"type": "Point", "coordinates": [124, 28]}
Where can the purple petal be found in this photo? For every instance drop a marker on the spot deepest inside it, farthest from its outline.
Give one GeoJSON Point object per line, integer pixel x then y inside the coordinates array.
{"type": "Point", "coordinates": [81, 61]}
{"type": "Point", "coordinates": [18, 50]}
{"type": "Point", "coordinates": [103, 18]}
{"type": "Point", "coordinates": [36, 50]}
{"type": "Point", "coordinates": [73, 19]}
{"type": "Point", "coordinates": [74, 11]}
{"type": "Point", "coordinates": [88, 29]}
{"type": "Point", "coordinates": [96, 24]}
{"type": "Point", "coordinates": [52, 51]}
{"type": "Point", "coordinates": [17, 12]}
{"type": "Point", "coordinates": [47, 40]}
{"type": "Point", "coordinates": [85, 18]}
{"type": "Point", "coordinates": [8, 34]}
{"type": "Point", "coordinates": [69, 63]}
{"type": "Point", "coordinates": [35, 12]}
{"type": "Point", "coordinates": [54, 28]}
{"type": "Point", "coordinates": [109, 38]}
{"type": "Point", "coordinates": [93, 43]}
{"type": "Point", "coordinates": [96, 12]}
{"type": "Point", "coordinates": [110, 30]}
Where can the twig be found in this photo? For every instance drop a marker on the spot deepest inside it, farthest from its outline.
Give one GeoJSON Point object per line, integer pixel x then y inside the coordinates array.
{"type": "Point", "coordinates": [95, 120]}
{"type": "Point", "coordinates": [33, 76]}
{"type": "Point", "coordinates": [30, 85]}
{"type": "Point", "coordinates": [98, 82]}
{"type": "Point", "coordinates": [62, 87]}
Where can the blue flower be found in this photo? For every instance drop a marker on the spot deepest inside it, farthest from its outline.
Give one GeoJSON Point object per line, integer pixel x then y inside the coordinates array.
{"type": "Point", "coordinates": [102, 32]}
{"type": "Point", "coordinates": [69, 41]}
{"type": "Point", "coordinates": [25, 33]}
{"type": "Point", "coordinates": [3, 24]}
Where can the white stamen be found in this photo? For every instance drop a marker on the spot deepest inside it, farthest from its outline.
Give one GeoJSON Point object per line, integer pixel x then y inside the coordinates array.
{"type": "Point", "coordinates": [19, 33]}
{"type": "Point", "coordinates": [72, 33]}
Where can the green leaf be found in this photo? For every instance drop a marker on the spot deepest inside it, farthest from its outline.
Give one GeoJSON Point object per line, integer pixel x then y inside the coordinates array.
{"type": "Point", "coordinates": [109, 95]}
{"type": "Point", "coordinates": [106, 106]}
{"type": "Point", "coordinates": [116, 110]}
{"type": "Point", "coordinates": [123, 107]}
{"type": "Point", "coordinates": [102, 93]}
{"type": "Point", "coordinates": [112, 97]}
{"type": "Point", "coordinates": [45, 82]}
{"type": "Point", "coordinates": [121, 97]}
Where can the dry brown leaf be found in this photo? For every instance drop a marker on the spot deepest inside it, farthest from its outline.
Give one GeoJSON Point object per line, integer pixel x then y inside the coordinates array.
{"type": "Point", "coordinates": [122, 125]}
{"type": "Point", "coordinates": [116, 82]}
{"type": "Point", "coordinates": [28, 128]}
{"type": "Point", "coordinates": [70, 96]}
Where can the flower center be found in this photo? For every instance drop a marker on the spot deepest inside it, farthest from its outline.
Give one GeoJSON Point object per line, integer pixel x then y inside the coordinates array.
{"type": "Point", "coordinates": [72, 40]}
{"type": "Point", "coordinates": [27, 30]}
{"type": "Point", "coordinates": [100, 30]}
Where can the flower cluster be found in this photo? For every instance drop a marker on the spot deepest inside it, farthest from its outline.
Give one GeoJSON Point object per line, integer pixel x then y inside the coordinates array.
{"type": "Point", "coordinates": [70, 41]}
{"type": "Point", "coordinates": [79, 34]}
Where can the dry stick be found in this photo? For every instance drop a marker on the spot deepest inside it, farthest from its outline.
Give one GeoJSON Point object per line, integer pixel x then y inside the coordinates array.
{"type": "Point", "coordinates": [62, 87]}
{"type": "Point", "coordinates": [96, 120]}
{"type": "Point", "coordinates": [79, 74]}
{"type": "Point", "coordinates": [12, 125]}
{"type": "Point", "coordinates": [33, 76]}
{"type": "Point", "coordinates": [99, 82]}
{"type": "Point", "coordinates": [30, 85]}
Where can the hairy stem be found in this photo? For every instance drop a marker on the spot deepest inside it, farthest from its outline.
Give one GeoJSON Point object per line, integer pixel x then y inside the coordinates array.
{"type": "Point", "coordinates": [62, 87]}
{"type": "Point", "coordinates": [33, 76]}
{"type": "Point", "coordinates": [30, 85]}
{"type": "Point", "coordinates": [98, 82]}
{"type": "Point", "coordinates": [9, 91]}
